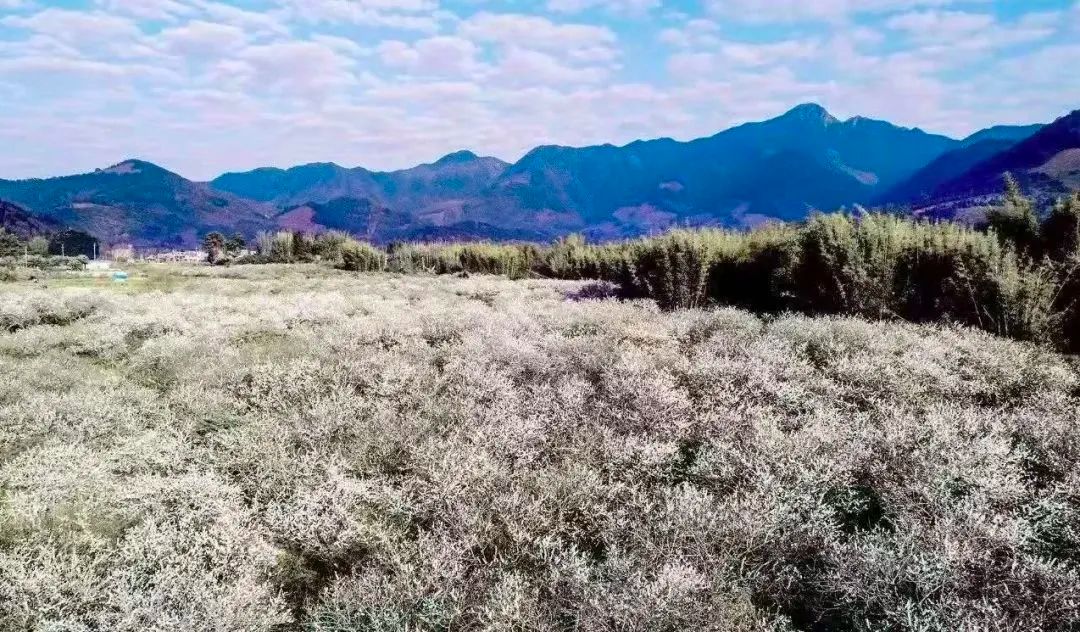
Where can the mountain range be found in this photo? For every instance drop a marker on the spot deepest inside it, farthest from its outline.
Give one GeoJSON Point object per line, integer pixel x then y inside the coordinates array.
{"type": "Point", "coordinates": [782, 168]}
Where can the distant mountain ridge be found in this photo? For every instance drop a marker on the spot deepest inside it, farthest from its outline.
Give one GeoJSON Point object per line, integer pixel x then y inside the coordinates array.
{"type": "Point", "coordinates": [461, 172]}
{"type": "Point", "coordinates": [1045, 163]}
{"type": "Point", "coordinates": [1005, 133]}
{"type": "Point", "coordinates": [782, 168]}
{"type": "Point", "coordinates": [973, 150]}
{"type": "Point", "coordinates": [139, 202]}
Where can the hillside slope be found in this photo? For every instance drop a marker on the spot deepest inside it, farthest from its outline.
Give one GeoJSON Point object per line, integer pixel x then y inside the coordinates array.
{"type": "Point", "coordinates": [1044, 164]}
{"type": "Point", "coordinates": [973, 150]}
{"type": "Point", "coordinates": [17, 220]}
{"type": "Point", "coordinates": [139, 202]}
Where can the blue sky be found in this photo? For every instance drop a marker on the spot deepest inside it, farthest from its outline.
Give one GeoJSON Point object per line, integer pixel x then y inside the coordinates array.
{"type": "Point", "coordinates": [207, 86]}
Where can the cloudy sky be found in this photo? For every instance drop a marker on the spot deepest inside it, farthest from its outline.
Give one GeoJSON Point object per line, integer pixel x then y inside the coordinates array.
{"type": "Point", "coordinates": [207, 86]}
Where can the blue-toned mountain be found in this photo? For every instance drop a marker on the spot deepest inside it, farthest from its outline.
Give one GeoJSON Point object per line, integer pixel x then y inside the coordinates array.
{"type": "Point", "coordinates": [782, 168]}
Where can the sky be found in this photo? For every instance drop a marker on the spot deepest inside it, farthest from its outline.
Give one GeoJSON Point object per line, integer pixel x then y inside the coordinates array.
{"type": "Point", "coordinates": [203, 87]}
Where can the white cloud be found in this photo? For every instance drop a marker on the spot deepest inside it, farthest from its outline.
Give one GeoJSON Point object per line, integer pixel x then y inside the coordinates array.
{"type": "Point", "coordinates": [811, 10]}
{"type": "Point", "coordinates": [935, 26]}
{"type": "Point", "coordinates": [40, 66]}
{"type": "Point", "coordinates": [412, 15]}
{"type": "Point", "coordinates": [295, 68]}
{"type": "Point", "coordinates": [256, 23]}
{"type": "Point", "coordinates": [202, 39]}
{"type": "Point", "coordinates": [1052, 66]}
{"type": "Point", "coordinates": [743, 54]}
{"type": "Point", "coordinates": [696, 32]}
{"type": "Point", "coordinates": [728, 55]}
{"type": "Point", "coordinates": [425, 93]}
{"type": "Point", "coordinates": [146, 9]}
{"type": "Point", "coordinates": [955, 39]}
{"type": "Point", "coordinates": [539, 33]}
{"type": "Point", "coordinates": [435, 56]}
{"type": "Point", "coordinates": [76, 26]}
{"type": "Point", "coordinates": [521, 66]}
{"type": "Point", "coordinates": [341, 44]}
{"type": "Point", "coordinates": [632, 7]}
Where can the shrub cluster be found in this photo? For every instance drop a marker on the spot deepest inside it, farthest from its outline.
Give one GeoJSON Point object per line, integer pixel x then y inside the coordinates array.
{"type": "Point", "coordinates": [11, 245]}
{"type": "Point", "coordinates": [361, 257]}
{"type": "Point", "coordinates": [515, 261]}
{"type": "Point", "coordinates": [28, 267]}
{"type": "Point", "coordinates": [1019, 283]}
{"type": "Point", "coordinates": [46, 262]}
{"type": "Point", "coordinates": [1014, 276]}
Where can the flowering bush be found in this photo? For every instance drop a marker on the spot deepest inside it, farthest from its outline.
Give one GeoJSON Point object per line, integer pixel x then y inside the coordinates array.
{"type": "Point", "coordinates": [299, 448]}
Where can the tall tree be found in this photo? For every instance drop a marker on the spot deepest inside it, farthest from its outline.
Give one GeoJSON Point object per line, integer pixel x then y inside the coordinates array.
{"type": "Point", "coordinates": [235, 244]}
{"type": "Point", "coordinates": [1015, 221]}
{"type": "Point", "coordinates": [1061, 230]}
{"type": "Point", "coordinates": [214, 246]}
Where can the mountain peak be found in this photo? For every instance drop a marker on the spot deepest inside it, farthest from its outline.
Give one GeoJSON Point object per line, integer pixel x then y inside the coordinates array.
{"type": "Point", "coordinates": [132, 165]}
{"type": "Point", "coordinates": [457, 157]}
{"type": "Point", "coordinates": [810, 112]}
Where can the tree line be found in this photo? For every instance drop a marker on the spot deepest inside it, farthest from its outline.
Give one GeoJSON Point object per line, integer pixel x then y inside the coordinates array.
{"type": "Point", "coordinates": [1014, 274]}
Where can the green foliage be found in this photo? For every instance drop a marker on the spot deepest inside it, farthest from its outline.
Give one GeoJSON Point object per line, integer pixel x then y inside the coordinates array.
{"type": "Point", "coordinates": [674, 269]}
{"type": "Point", "coordinates": [73, 243]}
{"type": "Point", "coordinates": [1015, 222]}
{"type": "Point", "coordinates": [755, 272]}
{"type": "Point", "coordinates": [39, 246]}
{"type": "Point", "coordinates": [361, 257]}
{"type": "Point", "coordinates": [1060, 232]}
{"type": "Point", "coordinates": [572, 259]}
{"type": "Point", "coordinates": [847, 265]}
{"type": "Point", "coordinates": [276, 247]}
{"type": "Point", "coordinates": [235, 244]}
{"type": "Point", "coordinates": [296, 247]}
{"type": "Point", "coordinates": [877, 266]}
{"type": "Point", "coordinates": [213, 245]}
{"type": "Point", "coordinates": [10, 244]}
{"type": "Point", "coordinates": [329, 246]}
{"type": "Point", "coordinates": [39, 262]}
{"type": "Point", "coordinates": [303, 246]}
{"type": "Point", "coordinates": [948, 272]}
{"type": "Point", "coordinates": [30, 255]}
{"type": "Point", "coordinates": [1061, 247]}
{"type": "Point", "coordinates": [512, 260]}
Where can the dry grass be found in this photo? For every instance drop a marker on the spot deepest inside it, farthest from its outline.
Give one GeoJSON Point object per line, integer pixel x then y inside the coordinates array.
{"type": "Point", "coordinates": [275, 448]}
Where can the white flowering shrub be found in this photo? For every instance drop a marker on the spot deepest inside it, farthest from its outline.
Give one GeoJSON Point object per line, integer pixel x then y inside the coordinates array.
{"type": "Point", "coordinates": [276, 448]}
